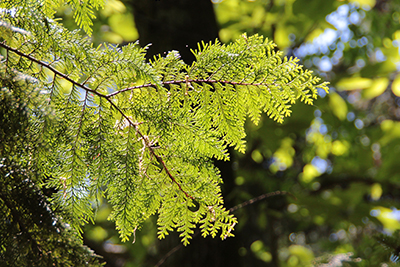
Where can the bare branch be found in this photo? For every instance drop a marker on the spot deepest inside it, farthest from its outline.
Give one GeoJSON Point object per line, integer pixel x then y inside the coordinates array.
{"type": "Point", "coordinates": [261, 197]}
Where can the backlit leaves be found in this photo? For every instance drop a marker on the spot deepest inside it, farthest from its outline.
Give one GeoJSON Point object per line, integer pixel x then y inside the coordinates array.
{"type": "Point", "coordinates": [144, 135]}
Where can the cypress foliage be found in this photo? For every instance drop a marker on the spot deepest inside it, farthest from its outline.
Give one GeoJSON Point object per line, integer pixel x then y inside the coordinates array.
{"type": "Point", "coordinates": [32, 232]}
{"type": "Point", "coordinates": [103, 122]}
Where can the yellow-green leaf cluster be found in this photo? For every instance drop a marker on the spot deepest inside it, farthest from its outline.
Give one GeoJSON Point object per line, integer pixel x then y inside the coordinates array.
{"type": "Point", "coordinates": [144, 135]}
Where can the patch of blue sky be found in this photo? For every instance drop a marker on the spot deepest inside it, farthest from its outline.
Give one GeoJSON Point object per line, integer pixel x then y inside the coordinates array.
{"type": "Point", "coordinates": [322, 165]}
{"type": "Point", "coordinates": [334, 39]}
{"type": "Point", "coordinates": [320, 45]}
{"type": "Point", "coordinates": [323, 129]}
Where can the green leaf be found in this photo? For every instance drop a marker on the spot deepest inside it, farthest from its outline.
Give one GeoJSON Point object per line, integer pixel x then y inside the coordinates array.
{"type": "Point", "coordinates": [338, 106]}
{"type": "Point", "coordinates": [377, 87]}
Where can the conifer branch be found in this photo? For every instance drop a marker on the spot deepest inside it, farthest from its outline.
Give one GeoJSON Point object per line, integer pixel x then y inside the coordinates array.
{"type": "Point", "coordinates": [107, 97]}
{"type": "Point", "coordinates": [206, 81]}
{"type": "Point", "coordinates": [51, 68]}
{"type": "Point", "coordinates": [195, 113]}
{"type": "Point", "coordinates": [233, 209]}
{"type": "Point", "coordinates": [16, 216]}
{"type": "Point", "coordinates": [149, 147]}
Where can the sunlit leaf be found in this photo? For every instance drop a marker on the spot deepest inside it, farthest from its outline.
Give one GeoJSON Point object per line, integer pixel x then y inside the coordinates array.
{"type": "Point", "coordinates": [369, 3]}
{"type": "Point", "coordinates": [387, 218]}
{"type": "Point", "coordinates": [310, 172]}
{"type": "Point", "coordinates": [377, 87]}
{"type": "Point", "coordinates": [355, 83]}
{"type": "Point", "coordinates": [338, 106]}
{"type": "Point", "coordinates": [376, 191]}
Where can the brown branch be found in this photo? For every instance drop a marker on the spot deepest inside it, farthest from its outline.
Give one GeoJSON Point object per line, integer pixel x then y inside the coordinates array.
{"type": "Point", "coordinates": [172, 251]}
{"type": "Point", "coordinates": [150, 148]}
{"type": "Point", "coordinates": [160, 160]}
{"type": "Point", "coordinates": [261, 197]}
{"type": "Point", "coordinates": [184, 82]}
{"type": "Point", "coordinates": [51, 68]}
{"type": "Point", "coordinates": [108, 98]}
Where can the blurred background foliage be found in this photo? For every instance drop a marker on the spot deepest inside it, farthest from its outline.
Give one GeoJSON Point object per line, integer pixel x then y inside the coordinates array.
{"type": "Point", "coordinates": [338, 159]}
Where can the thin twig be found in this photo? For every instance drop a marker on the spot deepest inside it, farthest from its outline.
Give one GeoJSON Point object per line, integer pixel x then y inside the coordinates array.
{"type": "Point", "coordinates": [184, 81]}
{"type": "Point", "coordinates": [172, 251]}
{"type": "Point", "coordinates": [51, 68]}
{"type": "Point", "coordinates": [150, 148]}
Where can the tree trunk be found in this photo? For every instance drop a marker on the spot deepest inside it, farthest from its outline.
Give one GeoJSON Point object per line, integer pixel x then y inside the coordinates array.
{"type": "Point", "coordinates": [174, 25]}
